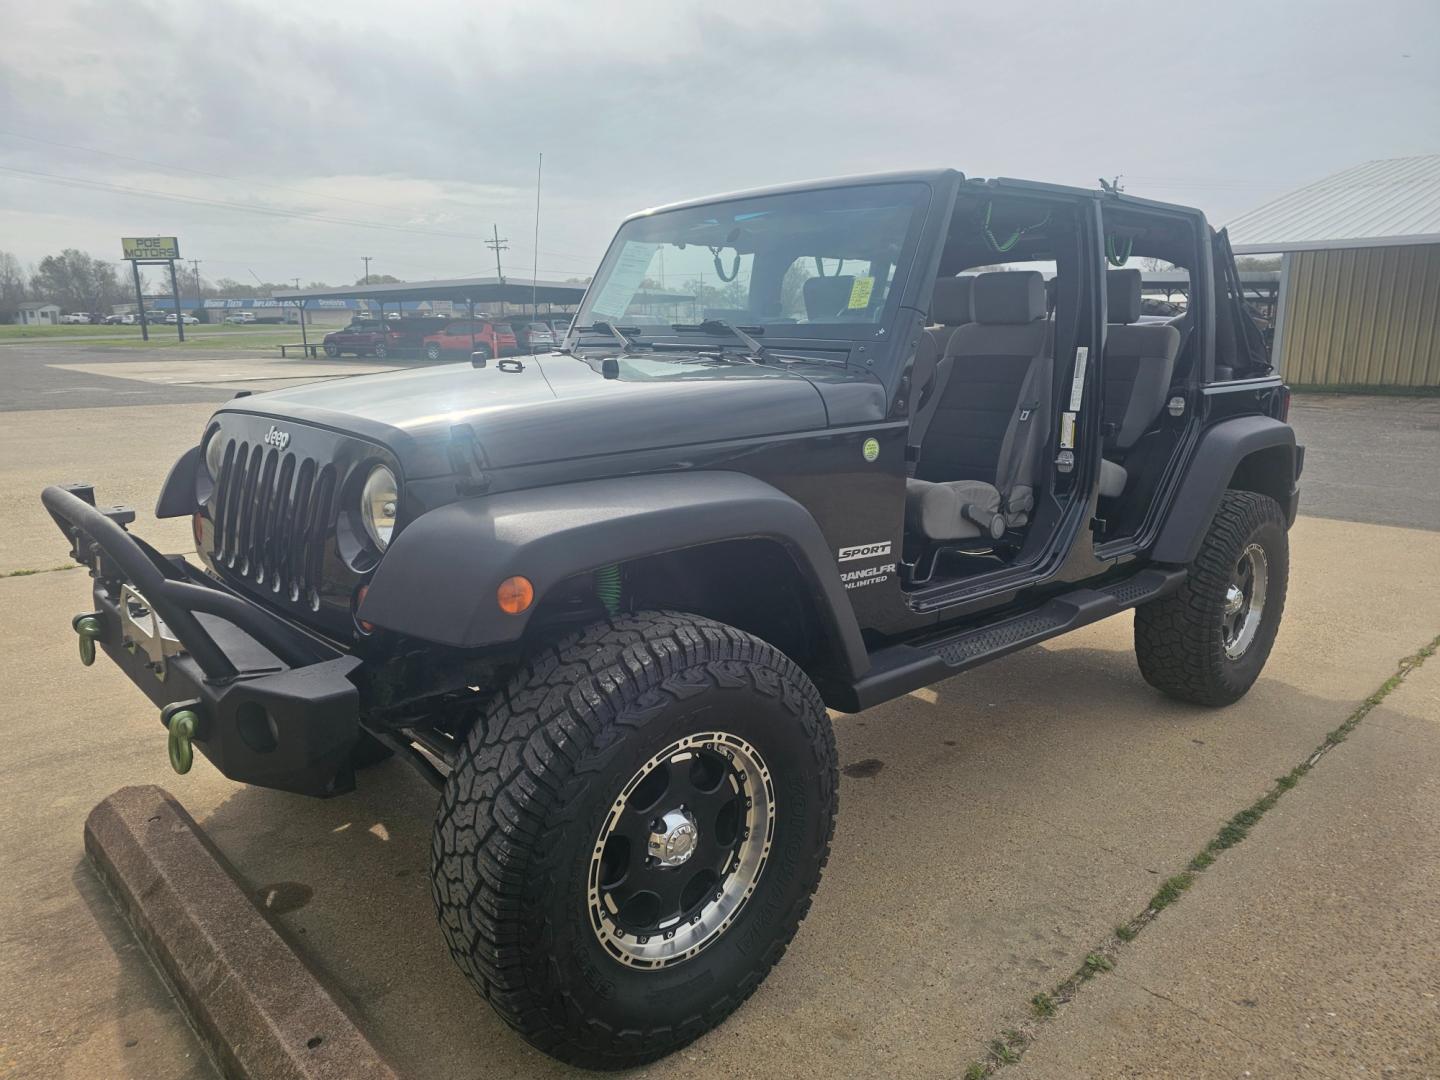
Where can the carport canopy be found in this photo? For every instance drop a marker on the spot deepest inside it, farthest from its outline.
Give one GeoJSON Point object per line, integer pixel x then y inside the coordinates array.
{"type": "Point", "coordinates": [477, 290]}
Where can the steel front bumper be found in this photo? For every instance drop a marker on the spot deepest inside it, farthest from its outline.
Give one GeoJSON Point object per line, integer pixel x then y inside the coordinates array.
{"type": "Point", "coordinates": [269, 704]}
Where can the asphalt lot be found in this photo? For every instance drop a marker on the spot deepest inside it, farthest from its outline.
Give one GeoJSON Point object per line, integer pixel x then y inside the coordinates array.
{"type": "Point", "coordinates": [999, 828]}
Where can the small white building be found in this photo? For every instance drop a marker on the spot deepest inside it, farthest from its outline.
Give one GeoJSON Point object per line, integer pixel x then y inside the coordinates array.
{"type": "Point", "coordinates": [37, 313]}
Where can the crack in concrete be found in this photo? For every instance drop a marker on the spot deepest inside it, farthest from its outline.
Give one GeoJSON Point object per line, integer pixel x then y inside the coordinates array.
{"type": "Point", "coordinates": [1047, 1004]}
{"type": "Point", "coordinates": [41, 570]}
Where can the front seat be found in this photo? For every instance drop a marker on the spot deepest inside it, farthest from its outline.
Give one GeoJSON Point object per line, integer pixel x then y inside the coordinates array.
{"type": "Point", "coordinates": [1139, 364]}
{"type": "Point", "coordinates": [979, 456]}
{"type": "Point", "coordinates": [827, 298]}
{"type": "Point", "coordinates": [949, 308]}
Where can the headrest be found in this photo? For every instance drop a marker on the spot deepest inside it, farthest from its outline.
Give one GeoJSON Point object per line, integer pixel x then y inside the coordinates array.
{"type": "Point", "coordinates": [950, 303]}
{"type": "Point", "coordinates": [827, 297]}
{"type": "Point", "coordinates": [1009, 296]}
{"type": "Point", "coordinates": [1122, 296]}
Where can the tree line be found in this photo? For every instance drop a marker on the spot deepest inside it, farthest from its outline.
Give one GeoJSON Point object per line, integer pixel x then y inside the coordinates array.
{"type": "Point", "coordinates": [78, 281]}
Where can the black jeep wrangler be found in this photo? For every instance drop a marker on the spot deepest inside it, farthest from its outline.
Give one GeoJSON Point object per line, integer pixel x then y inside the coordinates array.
{"type": "Point", "coordinates": [602, 598]}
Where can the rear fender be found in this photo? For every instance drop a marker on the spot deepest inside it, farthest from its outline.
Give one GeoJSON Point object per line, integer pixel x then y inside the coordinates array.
{"type": "Point", "coordinates": [439, 577]}
{"type": "Point", "coordinates": [1254, 453]}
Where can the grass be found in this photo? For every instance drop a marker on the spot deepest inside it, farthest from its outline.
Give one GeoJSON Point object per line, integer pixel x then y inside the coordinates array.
{"type": "Point", "coordinates": [239, 337]}
{"type": "Point", "coordinates": [225, 334]}
{"type": "Point", "coordinates": [1043, 1006]}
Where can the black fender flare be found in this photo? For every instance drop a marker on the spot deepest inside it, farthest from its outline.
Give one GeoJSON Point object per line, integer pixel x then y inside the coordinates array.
{"type": "Point", "coordinates": [1219, 454]}
{"type": "Point", "coordinates": [178, 493]}
{"type": "Point", "coordinates": [438, 579]}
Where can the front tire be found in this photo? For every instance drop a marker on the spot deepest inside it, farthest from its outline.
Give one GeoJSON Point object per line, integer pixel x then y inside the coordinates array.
{"type": "Point", "coordinates": [381, 352]}
{"type": "Point", "coordinates": [433, 351]}
{"type": "Point", "coordinates": [606, 925]}
{"type": "Point", "coordinates": [332, 351]}
{"type": "Point", "coordinates": [1208, 641]}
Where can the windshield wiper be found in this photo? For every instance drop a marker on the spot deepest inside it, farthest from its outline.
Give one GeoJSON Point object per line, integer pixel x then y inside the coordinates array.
{"type": "Point", "coordinates": [758, 350]}
{"type": "Point", "coordinates": [627, 343]}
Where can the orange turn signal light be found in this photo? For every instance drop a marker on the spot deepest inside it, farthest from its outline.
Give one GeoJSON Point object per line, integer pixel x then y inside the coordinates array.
{"type": "Point", "coordinates": [515, 595]}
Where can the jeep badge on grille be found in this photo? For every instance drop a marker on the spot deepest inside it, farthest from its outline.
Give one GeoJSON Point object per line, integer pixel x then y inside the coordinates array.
{"type": "Point", "coordinates": [277, 438]}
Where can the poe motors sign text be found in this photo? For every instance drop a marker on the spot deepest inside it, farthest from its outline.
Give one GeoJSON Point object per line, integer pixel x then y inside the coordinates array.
{"type": "Point", "coordinates": [150, 247]}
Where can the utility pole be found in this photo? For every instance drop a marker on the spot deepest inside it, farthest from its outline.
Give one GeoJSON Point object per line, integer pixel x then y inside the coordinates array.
{"type": "Point", "coordinates": [366, 259]}
{"type": "Point", "coordinates": [498, 245]}
{"type": "Point", "coordinates": [195, 265]}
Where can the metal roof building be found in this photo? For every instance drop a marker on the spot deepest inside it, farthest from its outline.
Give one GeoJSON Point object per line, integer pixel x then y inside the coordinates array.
{"type": "Point", "coordinates": [1360, 275]}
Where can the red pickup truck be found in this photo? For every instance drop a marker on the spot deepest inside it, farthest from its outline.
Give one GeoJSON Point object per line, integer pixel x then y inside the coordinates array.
{"type": "Point", "coordinates": [467, 336]}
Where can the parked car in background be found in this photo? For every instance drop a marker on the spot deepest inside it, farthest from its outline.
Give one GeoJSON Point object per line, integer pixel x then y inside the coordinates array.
{"type": "Point", "coordinates": [73, 318]}
{"type": "Point", "coordinates": [363, 337]}
{"type": "Point", "coordinates": [534, 337]}
{"type": "Point", "coordinates": [466, 336]}
{"type": "Point", "coordinates": [172, 319]}
{"type": "Point", "coordinates": [114, 320]}
{"type": "Point", "coordinates": [240, 318]}
{"type": "Point", "coordinates": [559, 327]}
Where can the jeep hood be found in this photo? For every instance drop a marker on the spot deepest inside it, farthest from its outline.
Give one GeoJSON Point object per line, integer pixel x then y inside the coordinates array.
{"type": "Point", "coordinates": [533, 409]}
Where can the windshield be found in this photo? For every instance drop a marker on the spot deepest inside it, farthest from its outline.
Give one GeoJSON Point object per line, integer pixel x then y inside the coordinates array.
{"type": "Point", "coordinates": [822, 261]}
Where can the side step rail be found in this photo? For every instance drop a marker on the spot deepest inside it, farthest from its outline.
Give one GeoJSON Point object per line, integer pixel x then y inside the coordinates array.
{"type": "Point", "coordinates": [899, 669]}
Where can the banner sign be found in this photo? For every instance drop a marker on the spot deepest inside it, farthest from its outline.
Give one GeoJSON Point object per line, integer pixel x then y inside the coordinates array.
{"type": "Point", "coordinates": [150, 247]}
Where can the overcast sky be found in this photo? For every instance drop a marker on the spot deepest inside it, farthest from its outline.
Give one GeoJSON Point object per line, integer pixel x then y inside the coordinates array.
{"type": "Point", "coordinates": [404, 131]}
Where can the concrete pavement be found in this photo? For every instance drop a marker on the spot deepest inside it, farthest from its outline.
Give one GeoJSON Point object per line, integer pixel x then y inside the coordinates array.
{"type": "Point", "coordinates": [1309, 950]}
{"type": "Point", "coordinates": [1015, 816]}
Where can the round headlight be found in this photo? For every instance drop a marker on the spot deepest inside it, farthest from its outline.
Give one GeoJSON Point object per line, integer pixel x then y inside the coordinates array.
{"type": "Point", "coordinates": [214, 454]}
{"type": "Point", "coordinates": [378, 500]}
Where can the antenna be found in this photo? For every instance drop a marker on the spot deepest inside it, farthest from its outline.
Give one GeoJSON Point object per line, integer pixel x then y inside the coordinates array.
{"type": "Point", "coordinates": [535, 262]}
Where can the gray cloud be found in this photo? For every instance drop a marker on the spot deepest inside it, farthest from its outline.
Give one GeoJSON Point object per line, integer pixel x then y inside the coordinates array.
{"type": "Point", "coordinates": [437, 113]}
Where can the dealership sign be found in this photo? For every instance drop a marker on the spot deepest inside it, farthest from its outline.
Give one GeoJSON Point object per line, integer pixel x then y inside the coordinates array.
{"type": "Point", "coordinates": [150, 247]}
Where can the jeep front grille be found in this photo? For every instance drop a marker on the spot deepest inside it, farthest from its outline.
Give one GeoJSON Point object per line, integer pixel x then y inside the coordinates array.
{"type": "Point", "coordinates": [272, 511]}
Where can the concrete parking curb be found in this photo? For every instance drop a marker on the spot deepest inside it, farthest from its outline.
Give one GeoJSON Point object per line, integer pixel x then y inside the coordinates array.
{"type": "Point", "coordinates": [262, 1012]}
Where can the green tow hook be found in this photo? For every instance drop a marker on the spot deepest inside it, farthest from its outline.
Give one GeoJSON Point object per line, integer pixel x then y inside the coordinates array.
{"type": "Point", "coordinates": [182, 730]}
{"type": "Point", "coordinates": [88, 628]}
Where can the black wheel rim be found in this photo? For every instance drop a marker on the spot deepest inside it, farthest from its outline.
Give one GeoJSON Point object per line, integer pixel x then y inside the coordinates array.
{"type": "Point", "coordinates": [681, 850]}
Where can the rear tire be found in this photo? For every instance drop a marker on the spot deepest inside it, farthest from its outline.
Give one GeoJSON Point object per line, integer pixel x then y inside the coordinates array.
{"type": "Point", "coordinates": [1208, 641]}
{"type": "Point", "coordinates": [533, 874]}
{"type": "Point", "coordinates": [433, 351]}
{"type": "Point", "coordinates": [381, 352]}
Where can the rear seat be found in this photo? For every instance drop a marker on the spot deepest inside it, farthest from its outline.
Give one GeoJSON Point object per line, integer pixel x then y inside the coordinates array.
{"type": "Point", "coordinates": [1139, 364]}
{"type": "Point", "coordinates": [980, 451]}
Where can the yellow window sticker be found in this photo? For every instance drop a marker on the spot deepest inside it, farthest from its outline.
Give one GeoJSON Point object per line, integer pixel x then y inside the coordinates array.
{"type": "Point", "coordinates": [1067, 430]}
{"type": "Point", "coordinates": [860, 292]}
